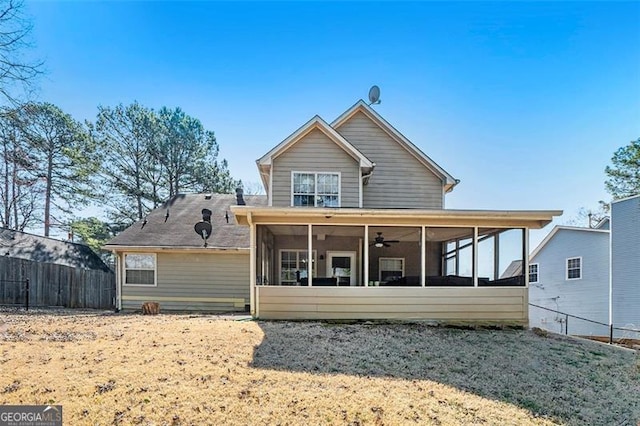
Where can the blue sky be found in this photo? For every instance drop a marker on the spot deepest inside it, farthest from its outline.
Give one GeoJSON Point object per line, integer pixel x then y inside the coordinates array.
{"type": "Point", "coordinates": [525, 103]}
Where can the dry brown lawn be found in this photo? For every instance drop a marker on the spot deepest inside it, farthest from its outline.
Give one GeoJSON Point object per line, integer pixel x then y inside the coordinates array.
{"type": "Point", "coordinates": [205, 370]}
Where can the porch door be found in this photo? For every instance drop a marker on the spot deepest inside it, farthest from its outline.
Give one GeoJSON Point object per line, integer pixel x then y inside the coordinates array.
{"type": "Point", "coordinates": [342, 264]}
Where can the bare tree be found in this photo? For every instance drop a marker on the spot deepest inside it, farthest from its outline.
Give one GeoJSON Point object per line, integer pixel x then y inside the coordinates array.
{"type": "Point", "coordinates": [17, 74]}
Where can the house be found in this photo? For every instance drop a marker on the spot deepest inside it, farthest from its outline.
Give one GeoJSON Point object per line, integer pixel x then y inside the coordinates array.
{"type": "Point", "coordinates": [355, 227]}
{"type": "Point", "coordinates": [36, 248]}
{"type": "Point", "coordinates": [625, 264]}
{"type": "Point", "coordinates": [591, 273]}
{"type": "Point", "coordinates": [162, 259]}
{"type": "Point", "coordinates": [569, 272]}
{"type": "Point", "coordinates": [60, 273]}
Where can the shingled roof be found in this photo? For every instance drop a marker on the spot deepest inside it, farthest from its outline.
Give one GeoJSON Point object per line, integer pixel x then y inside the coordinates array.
{"type": "Point", "coordinates": [171, 225]}
{"type": "Point", "coordinates": [48, 250]}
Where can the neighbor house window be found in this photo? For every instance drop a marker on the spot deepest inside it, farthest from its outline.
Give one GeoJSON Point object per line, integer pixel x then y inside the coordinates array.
{"type": "Point", "coordinates": [294, 264]}
{"type": "Point", "coordinates": [391, 268]}
{"type": "Point", "coordinates": [574, 268]}
{"type": "Point", "coordinates": [140, 269]}
{"type": "Point", "coordinates": [533, 273]}
{"type": "Point", "coordinates": [312, 189]}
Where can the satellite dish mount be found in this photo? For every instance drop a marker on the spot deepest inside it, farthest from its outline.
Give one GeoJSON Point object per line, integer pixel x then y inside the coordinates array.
{"type": "Point", "coordinates": [374, 95]}
{"type": "Point", "coordinates": [203, 228]}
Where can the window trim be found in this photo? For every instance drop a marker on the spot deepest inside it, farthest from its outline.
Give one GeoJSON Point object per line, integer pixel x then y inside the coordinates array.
{"type": "Point", "coordinates": [155, 270]}
{"type": "Point", "coordinates": [380, 259]}
{"type": "Point", "coordinates": [314, 263]}
{"type": "Point", "coordinates": [567, 268]}
{"type": "Point", "coordinates": [537, 265]}
{"type": "Point", "coordinates": [315, 194]}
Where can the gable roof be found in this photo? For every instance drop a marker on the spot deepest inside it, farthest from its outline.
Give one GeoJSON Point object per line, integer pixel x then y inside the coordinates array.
{"type": "Point", "coordinates": [513, 270]}
{"type": "Point", "coordinates": [631, 197]}
{"type": "Point", "coordinates": [604, 223]}
{"type": "Point", "coordinates": [176, 231]}
{"type": "Point", "coordinates": [264, 162]}
{"type": "Point", "coordinates": [559, 228]}
{"type": "Point", "coordinates": [361, 106]}
{"type": "Point", "coordinates": [36, 248]}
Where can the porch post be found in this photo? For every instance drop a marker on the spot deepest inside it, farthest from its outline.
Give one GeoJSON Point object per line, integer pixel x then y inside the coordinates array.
{"type": "Point", "coordinates": [119, 279]}
{"type": "Point", "coordinates": [309, 255]}
{"type": "Point", "coordinates": [252, 267]}
{"type": "Point", "coordinates": [366, 256]}
{"type": "Point", "coordinates": [475, 256]}
{"type": "Point", "coordinates": [423, 256]}
{"type": "Point", "coordinates": [457, 257]}
{"type": "Point", "coordinates": [525, 256]}
{"type": "Point", "coordinates": [496, 256]}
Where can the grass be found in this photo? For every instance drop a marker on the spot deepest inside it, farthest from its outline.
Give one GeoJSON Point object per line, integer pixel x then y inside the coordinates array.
{"type": "Point", "coordinates": [183, 370]}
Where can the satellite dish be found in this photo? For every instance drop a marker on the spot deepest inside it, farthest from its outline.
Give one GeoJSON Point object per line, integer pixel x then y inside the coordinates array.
{"type": "Point", "coordinates": [204, 230]}
{"type": "Point", "coordinates": [374, 95]}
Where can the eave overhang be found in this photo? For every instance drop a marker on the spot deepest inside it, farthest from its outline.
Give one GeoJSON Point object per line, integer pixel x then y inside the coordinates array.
{"type": "Point", "coordinates": [168, 249]}
{"type": "Point", "coordinates": [264, 163]}
{"type": "Point", "coordinates": [361, 106]}
{"type": "Point", "coordinates": [532, 219]}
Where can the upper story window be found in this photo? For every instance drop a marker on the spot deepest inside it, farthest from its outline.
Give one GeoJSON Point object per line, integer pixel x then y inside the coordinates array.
{"type": "Point", "coordinates": [140, 269]}
{"type": "Point", "coordinates": [574, 268]}
{"type": "Point", "coordinates": [533, 273]}
{"type": "Point", "coordinates": [311, 189]}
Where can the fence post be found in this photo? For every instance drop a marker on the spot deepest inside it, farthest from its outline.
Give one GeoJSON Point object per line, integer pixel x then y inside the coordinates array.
{"type": "Point", "coordinates": [566, 324]}
{"type": "Point", "coordinates": [26, 299]}
{"type": "Point", "coordinates": [610, 334]}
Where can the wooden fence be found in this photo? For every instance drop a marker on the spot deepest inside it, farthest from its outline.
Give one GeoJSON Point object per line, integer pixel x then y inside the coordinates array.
{"type": "Point", "coordinates": [55, 285]}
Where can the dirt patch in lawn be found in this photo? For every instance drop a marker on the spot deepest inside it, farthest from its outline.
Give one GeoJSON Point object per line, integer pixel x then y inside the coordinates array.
{"type": "Point", "coordinates": [180, 369]}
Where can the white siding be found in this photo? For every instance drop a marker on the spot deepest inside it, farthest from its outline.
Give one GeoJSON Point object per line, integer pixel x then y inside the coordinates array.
{"type": "Point", "coordinates": [399, 179]}
{"type": "Point", "coordinates": [480, 305]}
{"type": "Point", "coordinates": [315, 153]}
{"type": "Point", "coordinates": [587, 297]}
{"type": "Point", "coordinates": [625, 267]}
{"type": "Point", "coordinates": [195, 281]}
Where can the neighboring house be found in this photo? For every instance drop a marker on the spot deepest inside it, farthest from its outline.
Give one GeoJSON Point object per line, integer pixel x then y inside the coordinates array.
{"type": "Point", "coordinates": [60, 273]}
{"type": "Point", "coordinates": [22, 245]}
{"type": "Point", "coordinates": [625, 263]}
{"type": "Point", "coordinates": [355, 228]}
{"type": "Point", "coordinates": [569, 272]}
{"type": "Point", "coordinates": [162, 259]}
{"type": "Point", "coordinates": [589, 273]}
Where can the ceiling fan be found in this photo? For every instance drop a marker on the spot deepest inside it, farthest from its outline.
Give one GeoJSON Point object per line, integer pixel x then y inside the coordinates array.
{"type": "Point", "coordinates": [380, 242]}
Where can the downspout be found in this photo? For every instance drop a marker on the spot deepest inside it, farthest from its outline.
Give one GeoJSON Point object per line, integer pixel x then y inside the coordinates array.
{"type": "Point", "coordinates": [365, 177]}
{"type": "Point", "coordinates": [252, 267]}
{"type": "Point", "coordinates": [118, 301]}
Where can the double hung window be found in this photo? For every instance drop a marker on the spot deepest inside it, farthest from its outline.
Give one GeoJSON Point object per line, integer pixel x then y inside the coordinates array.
{"type": "Point", "coordinates": [311, 189]}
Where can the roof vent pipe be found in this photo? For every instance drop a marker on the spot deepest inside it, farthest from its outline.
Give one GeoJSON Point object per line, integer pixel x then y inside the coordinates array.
{"type": "Point", "coordinates": [239, 197]}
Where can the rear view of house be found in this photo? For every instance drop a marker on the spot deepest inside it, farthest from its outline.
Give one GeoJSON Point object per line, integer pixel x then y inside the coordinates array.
{"type": "Point", "coordinates": [353, 226]}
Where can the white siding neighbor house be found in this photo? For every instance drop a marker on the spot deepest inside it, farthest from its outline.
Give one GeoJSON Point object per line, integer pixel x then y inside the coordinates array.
{"type": "Point", "coordinates": [569, 272]}
{"type": "Point", "coordinates": [625, 263]}
{"type": "Point", "coordinates": [590, 273]}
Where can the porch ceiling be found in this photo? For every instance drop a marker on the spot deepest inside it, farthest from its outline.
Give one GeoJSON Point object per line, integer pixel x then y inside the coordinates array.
{"type": "Point", "coordinates": [533, 219]}
{"type": "Point", "coordinates": [401, 233]}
